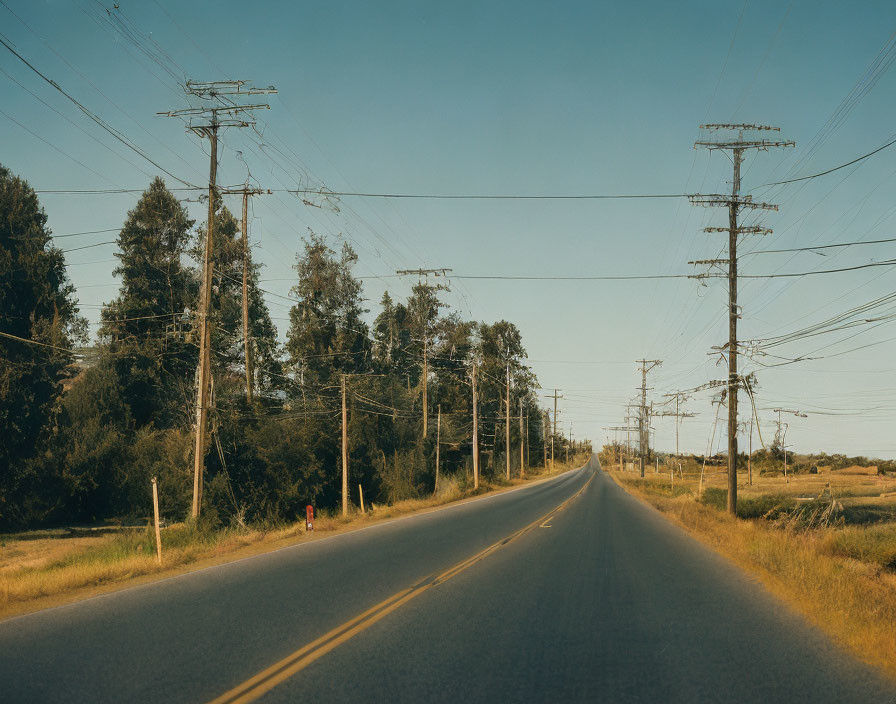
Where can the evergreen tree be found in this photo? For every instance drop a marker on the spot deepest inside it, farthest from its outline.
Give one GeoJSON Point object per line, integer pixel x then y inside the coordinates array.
{"type": "Point", "coordinates": [147, 328]}
{"type": "Point", "coordinates": [326, 333]}
{"type": "Point", "coordinates": [37, 304]}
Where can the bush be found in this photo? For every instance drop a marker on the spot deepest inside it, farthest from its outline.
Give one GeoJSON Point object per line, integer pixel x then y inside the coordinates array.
{"type": "Point", "coordinates": [768, 506]}
{"type": "Point", "coordinates": [872, 544]}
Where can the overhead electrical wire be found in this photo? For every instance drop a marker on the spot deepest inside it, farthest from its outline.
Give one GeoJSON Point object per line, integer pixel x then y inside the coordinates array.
{"type": "Point", "coordinates": [93, 116]}
{"type": "Point", "coordinates": [828, 171]}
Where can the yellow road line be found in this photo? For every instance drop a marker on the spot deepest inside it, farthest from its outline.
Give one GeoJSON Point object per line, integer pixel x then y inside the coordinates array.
{"type": "Point", "coordinates": [279, 672]}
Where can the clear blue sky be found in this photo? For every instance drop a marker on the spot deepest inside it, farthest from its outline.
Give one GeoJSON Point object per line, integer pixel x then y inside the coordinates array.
{"type": "Point", "coordinates": [485, 97]}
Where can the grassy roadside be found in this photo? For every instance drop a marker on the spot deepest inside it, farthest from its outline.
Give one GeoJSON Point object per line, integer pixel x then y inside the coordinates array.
{"type": "Point", "coordinates": [40, 569]}
{"type": "Point", "coordinates": [842, 577]}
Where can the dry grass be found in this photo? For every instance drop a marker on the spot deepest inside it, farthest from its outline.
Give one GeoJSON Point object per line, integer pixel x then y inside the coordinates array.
{"type": "Point", "coordinates": [40, 569]}
{"type": "Point", "coordinates": [840, 578]}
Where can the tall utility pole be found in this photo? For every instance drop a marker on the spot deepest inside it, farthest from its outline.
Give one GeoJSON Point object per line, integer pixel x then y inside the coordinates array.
{"type": "Point", "coordinates": [679, 396]}
{"type": "Point", "coordinates": [554, 396]}
{"type": "Point", "coordinates": [210, 121]}
{"type": "Point", "coordinates": [475, 433]}
{"type": "Point", "coordinates": [522, 443]}
{"type": "Point", "coordinates": [783, 437]}
{"type": "Point", "coordinates": [438, 441]}
{"type": "Point", "coordinates": [344, 452]}
{"type": "Point", "coordinates": [245, 192]}
{"type": "Point", "coordinates": [627, 428]}
{"type": "Point", "coordinates": [545, 427]}
{"type": "Point", "coordinates": [734, 202]}
{"type": "Point", "coordinates": [507, 423]}
{"type": "Point", "coordinates": [423, 275]}
{"type": "Point", "coordinates": [643, 414]}
{"type": "Point", "coordinates": [425, 385]}
{"type": "Point", "coordinates": [569, 442]}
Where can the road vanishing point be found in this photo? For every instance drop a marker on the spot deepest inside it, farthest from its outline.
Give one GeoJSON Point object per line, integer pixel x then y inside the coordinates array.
{"type": "Point", "coordinates": [565, 590]}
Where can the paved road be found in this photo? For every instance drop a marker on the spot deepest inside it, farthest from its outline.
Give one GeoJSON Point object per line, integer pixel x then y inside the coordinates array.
{"type": "Point", "coordinates": [602, 600]}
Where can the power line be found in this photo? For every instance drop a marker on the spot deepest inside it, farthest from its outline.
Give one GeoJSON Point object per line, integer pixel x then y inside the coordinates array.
{"type": "Point", "coordinates": [821, 246]}
{"type": "Point", "coordinates": [93, 116]}
{"type": "Point", "coordinates": [450, 196]}
{"type": "Point", "coordinates": [828, 171]}
{"type": "Point", "coordinates": [89, 246]}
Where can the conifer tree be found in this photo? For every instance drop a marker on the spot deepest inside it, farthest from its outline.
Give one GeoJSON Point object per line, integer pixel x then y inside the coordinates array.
{"type": "Point", "coordinates": [37, 305]}
{"type": "Point", "coordinates": [147, 329]}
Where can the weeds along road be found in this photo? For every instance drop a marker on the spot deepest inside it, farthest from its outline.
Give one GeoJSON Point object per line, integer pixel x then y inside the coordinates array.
{"type": "Point", "coordinates": [567, 590]}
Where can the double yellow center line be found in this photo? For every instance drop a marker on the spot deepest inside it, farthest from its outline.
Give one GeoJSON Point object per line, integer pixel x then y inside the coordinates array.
{"type": "Point", "coordinates": [279, 672]}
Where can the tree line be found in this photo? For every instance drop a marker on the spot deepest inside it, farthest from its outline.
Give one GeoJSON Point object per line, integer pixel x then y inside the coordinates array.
{"type": "Point", "coordinates": [81, 444]}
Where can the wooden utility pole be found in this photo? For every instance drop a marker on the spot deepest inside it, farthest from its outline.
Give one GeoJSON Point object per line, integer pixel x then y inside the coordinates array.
{"type": "Point", "coordinates": [247, 348]}
{"type": "Point", "coordinates": [750, 456]}
{"type": "Point", "coordinates": [475, 433]}
{"type": "Point", "coordinates": [783, 437]}
{"type": "Point", "coordinates": [438, 441]}
{"type": "Point", "coordinates": [568, 443]}
{"type": "Point", "coordinates": [507, 423]}
{"type": "Point", "coordinates": [155, 510]}
{"type": "Point", "coordinates": [554, 396]}
{"type": "Point", "coordinates": [245, 192]}
{"type": "Point", "coordinates": [425, 380]}
{"type": "Point", "coordinates": [734, 202]}
{"type": "Point", "coordinates": [644, 415]}
{"type": "Point", "coordinates": [204, 333]}
{"type": "Point", "coordinates": [545, 424]}
{"type": "Point", "coordinates": [522, 443]}
{"type": "Point", "coordinates": [232, 117]}
{"type": "Point", "coordinates": [344, 452]}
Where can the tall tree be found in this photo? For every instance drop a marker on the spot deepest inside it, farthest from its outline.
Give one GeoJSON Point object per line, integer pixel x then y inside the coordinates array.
{"type": "Point", "coordinates": [326, 333]}
{"type": "Point", "coordinates": [37, 305]}
{"type": "Point", "coordinates": [147, 328]}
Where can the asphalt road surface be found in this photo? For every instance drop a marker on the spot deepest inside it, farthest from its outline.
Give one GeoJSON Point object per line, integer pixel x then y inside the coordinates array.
{"type": "Point", "coordinates": [568, 590]}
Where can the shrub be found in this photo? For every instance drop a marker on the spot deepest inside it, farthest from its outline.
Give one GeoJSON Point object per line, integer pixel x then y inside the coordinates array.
{"type": "Point", "coordinates": [872, 544]}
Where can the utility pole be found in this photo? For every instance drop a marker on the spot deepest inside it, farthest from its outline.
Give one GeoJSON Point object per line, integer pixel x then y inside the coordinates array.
{"type": "Point", "coordinates": [643, 417]}
{"type": "Point", "coordinates": [425, 384]}
{"type": "Point", "coordinates": [475, 434]}
{"type": "Point", "coordinates": [734, 202]}
{"type": "Point", "coordinates": [245, 192]}
{"type": "Point", "coordinates": [627, 428]}
{"type": "Point", "coordinates": [783, 437]}
{"type": "Point", "coordinates": [438, 441]}
{"type": "Point", "coordinates": [423, 278]}
{"type": "Point", "coordinates": [568, 443]}
{"type": "Point", "coordinates": [555, 396]}
{"type": "Point", "coordinates": [679, 397]}
{"type": "Point", "coordinates": [545, 426]}
{"type": "Point", "coordinates": [750, 456]}
{"type": "Point", "coordinates": [344, 452]}
{"type": "Point", "coordinates": [522, 444]}
{"type": "Point", "coordinates": [231, 112]}
{"type": "Point", "coordinates": [507, 423]}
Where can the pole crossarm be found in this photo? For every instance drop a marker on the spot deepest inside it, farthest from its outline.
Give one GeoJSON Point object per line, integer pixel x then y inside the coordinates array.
{"type": "Point", "coordinates": [224, 109]}
{"type": "Point", "coordinates": [739, 127]}
{"type": "Point", "coordinates": [746, 144]}
{"type": "Point", "coordinates": [213, 89]}
{"type": "Point", "coordinates": [713, 200]}
{"type": "Point", "coordinates": [708, 262]}
{"type": "Point", "coordinates": [799, 414]}
{"type": "Point", "coordinates": [742, 230]}
{"type": "Point", "coordinates": [244, 191]}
